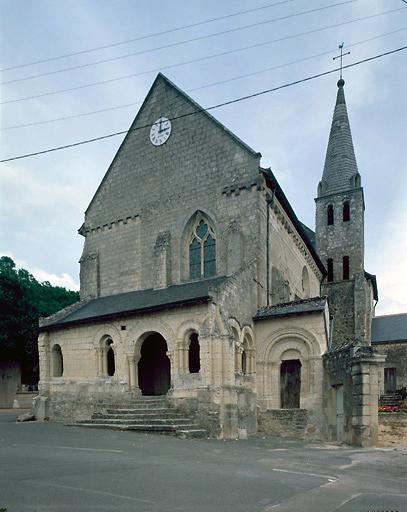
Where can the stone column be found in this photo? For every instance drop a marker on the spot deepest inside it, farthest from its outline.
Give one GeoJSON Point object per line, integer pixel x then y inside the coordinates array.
{"type": "Point", "coordinates": [44, 358]}
{"type": "Point", "coordinates": [274, 384]}
{"type": "Point", "coordinates": [365, 395]}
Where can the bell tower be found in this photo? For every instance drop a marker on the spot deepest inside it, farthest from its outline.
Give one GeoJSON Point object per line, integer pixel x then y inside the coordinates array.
{"type": "Point", "coordinates": [340, 234]}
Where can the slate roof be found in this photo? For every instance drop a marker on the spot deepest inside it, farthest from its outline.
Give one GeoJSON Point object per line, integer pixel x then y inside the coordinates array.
{"type": "Point", "coordinates": [296, 307]}
{"type": "Point", "coordinates": [389, 328]}
{"type": "Point", "coordinates": [138, 302]}
{"type": "Point", "coordinates": [340, 161]}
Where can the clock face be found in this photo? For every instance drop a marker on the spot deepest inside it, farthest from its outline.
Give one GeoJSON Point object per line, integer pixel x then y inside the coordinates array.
{"type": "Point", "coordinates": [160, 131]}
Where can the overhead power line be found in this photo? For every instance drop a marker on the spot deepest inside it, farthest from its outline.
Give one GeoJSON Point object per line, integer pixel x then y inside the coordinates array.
{"type": "Point", "coordinates": [205, 86]}
{"type": "Point", "coordinates": [200, 59]}
{"type": "Point", "coordinates": [177, 43]}
{"type": "Point", "coordinates": [202, 110]}
{"type": "Point", "coordinates": [148, 36]}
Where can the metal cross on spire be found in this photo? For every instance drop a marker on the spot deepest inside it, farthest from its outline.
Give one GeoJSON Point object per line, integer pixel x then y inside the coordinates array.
{"type": "Point", "coordinates": [340, 56]}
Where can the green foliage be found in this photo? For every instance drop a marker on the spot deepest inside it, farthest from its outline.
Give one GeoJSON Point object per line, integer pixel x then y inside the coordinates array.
{"type": "Point", "coordinates": [22, 301]}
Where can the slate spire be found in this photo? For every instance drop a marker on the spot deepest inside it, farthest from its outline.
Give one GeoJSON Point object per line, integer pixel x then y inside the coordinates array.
{"type": "Point", "coordinates": [340, 169]}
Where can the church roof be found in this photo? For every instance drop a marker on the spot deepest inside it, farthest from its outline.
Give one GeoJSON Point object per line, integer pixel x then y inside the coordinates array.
{"type": "Point", "coordinates": [389, 328]}
{"type": "Point", "coordinates": [138, 302]}
{"type": "Point", "coordinates": [340, 161]}
{"type": "Point", "coordinates": [296, 307]}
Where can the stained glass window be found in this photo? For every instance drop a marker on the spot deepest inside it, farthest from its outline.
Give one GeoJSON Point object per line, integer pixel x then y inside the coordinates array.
{"type": "Point", "coordinates": [202, 251]}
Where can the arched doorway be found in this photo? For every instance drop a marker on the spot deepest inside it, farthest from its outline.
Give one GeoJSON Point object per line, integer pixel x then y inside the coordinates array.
{"type": "Point", "coordinates": [290, 384]}
{"type": "Point", "coordinates": [154, 366]}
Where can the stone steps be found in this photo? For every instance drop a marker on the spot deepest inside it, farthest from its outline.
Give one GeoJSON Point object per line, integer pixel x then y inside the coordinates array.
{"type": "Point", "coordinates": [149, 414]}
{"type": "Point", "coordinates": [391, 399]}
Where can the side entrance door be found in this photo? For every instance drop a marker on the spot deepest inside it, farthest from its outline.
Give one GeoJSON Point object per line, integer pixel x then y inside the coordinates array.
{"type": "Point", "coordinates": [339, 413]}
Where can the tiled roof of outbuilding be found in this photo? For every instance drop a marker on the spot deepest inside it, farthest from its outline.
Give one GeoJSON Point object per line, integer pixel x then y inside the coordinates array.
{"type": "Point", "coordinates": [389, 328]}
{"type": "Point", "coordinates": [138, 302]}
{"type": "Point", "coordinates": [296, 307]}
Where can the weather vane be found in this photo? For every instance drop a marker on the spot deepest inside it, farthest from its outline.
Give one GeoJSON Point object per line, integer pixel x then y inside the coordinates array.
{"type": "Point", "coordinates": [340, 56]}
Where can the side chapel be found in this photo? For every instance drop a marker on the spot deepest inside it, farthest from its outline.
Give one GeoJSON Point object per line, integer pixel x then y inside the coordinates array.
{"type": "Point", "coordinates": [199, 283]}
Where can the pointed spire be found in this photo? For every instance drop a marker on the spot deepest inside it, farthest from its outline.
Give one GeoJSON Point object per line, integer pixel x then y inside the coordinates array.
{"type": "Point", "coordinates": [340, 169]}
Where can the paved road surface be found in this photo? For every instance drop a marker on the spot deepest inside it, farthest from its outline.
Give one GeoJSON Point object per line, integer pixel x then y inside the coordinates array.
{"type": "Point", "coordinates": [51, 467]}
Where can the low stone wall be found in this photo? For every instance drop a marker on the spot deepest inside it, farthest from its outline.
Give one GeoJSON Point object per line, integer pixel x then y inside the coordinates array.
{"type": "Point", "coordinates": [296, 423]}
{"type": "Point", "coordinates": [24, 399]}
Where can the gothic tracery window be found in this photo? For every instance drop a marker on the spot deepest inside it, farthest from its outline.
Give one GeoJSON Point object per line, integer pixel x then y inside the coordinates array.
{"type": "Point", "coordinates": [202, 251]}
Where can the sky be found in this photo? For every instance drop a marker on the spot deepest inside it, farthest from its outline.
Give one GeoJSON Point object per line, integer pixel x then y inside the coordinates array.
{"type": "Point", "coordinates": [239, 48]}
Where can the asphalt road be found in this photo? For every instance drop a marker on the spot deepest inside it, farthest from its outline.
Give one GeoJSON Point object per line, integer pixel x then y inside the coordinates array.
{"type": "Point", "coordinates": [51, 467]}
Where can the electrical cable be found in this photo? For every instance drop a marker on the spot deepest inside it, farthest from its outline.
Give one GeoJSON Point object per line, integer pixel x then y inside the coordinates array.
{"type": "Point", "coordinates": [201, 59]}
{"type": "Point", "coordinates": [203, 110]}
{"type": "Point", "coordinates": [211, 84]}
{"type": "Point", "coordinates": [147, 36]}
{"type": "Point", "coordinates": [178, 43]}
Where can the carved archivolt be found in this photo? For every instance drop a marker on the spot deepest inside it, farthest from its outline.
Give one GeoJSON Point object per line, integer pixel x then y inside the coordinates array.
{"type": "Point", "coordinates": [289, 339]}
{"type": "Point", "coordinates": [137, 334]}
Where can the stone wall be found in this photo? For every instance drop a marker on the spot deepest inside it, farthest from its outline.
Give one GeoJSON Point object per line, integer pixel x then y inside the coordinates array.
{"type": "Point", "coordinates": [297, 423]}
{"type": "Point", "coordinates": [356, 371]}
{"type": "Point", "coordinates": [288, 258]}
{"type": "Point", "coordinates": [10, 382]}
{"type": "Point", "coordinates": [149, 190]}
{"type": "Point", "coordinates": [396, 357]}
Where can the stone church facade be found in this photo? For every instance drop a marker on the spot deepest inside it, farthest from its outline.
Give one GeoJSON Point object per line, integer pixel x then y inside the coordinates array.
{"type": "Point", "coordinates": [198, 282]}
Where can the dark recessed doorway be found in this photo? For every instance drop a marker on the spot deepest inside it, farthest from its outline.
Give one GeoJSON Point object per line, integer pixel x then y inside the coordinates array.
{"type": "Point", "coordinates": [290, 384]}
{"type": "Point", "coordinates": [154, 366]}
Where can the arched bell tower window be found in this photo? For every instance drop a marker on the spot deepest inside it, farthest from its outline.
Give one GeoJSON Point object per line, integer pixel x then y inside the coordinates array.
{"type": "Point", "coordinates": [330, 264]}
{"type": "Point", "coordinates": [202, 250]}
{"type": "Point", "coordinates": [346, 212]}
{"type": "Point", "coordinates": [330, 215]}
{"type": "Point", "coordinates": [345, 267]}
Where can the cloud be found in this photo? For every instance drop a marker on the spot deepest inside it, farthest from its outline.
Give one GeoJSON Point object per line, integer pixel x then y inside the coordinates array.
{"type": "Point", "coordinates": [390, 266]}
{"type": "Point", "coordinates": [64, 280]}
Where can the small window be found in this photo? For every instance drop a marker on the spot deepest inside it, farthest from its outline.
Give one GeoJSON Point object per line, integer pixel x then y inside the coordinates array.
{"type": "Point", "coordinates": [330, 263]}
{"type": "Point", "coordinates": [57, 361]}
{"type": "Point", "coordinates": [330, 215]}
{"type": "Point", "coordinates": [345, 267]}
{"type": "Point", "coordinates": [346, 211]}
{"type": "Point", "coordinates": [194, 359]}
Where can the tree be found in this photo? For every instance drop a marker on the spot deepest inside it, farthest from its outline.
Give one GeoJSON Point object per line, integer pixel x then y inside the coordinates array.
{"type": "Point", "coordinates": [22, 301]}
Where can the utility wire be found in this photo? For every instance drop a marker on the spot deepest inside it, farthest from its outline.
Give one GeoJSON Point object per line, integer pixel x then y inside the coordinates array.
{"type": "Point", "coordinates": [200, 59]}
{"type": "Point", "coordinates": [178, 43]}
{"type": "Point", "coordinates": [205, 86]}
{"type": "Point", "coordinates": [203, 110]}
{"type": "Point", "coordinates": [148, 36]}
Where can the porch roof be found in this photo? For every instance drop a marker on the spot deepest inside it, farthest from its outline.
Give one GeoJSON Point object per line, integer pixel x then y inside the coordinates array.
{"type": "Point", "coordinates": [133, 303]}
{"type": "Point", "coordinates": [296, 307]}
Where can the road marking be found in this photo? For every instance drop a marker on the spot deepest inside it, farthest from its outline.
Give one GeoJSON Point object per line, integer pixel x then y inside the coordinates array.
{"type": "Point", "coordinates": [94, 491]}
{"type": "Point", "coordinates": [69, 448]}
{"type": "Point", "coordinates": [330, 478]}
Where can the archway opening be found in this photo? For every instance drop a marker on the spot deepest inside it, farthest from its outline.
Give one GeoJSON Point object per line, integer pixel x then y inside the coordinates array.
{"type": "Point", "coordinates": [57, 361]}
{"type": "Point", "coordinates": [154, 366]}
{"type": "Point", "coordinates": [111, 366]}
{"type": "Point", "coordinates": [290, 384]}
{"type": "Point", "coordinates": [194, 359]}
